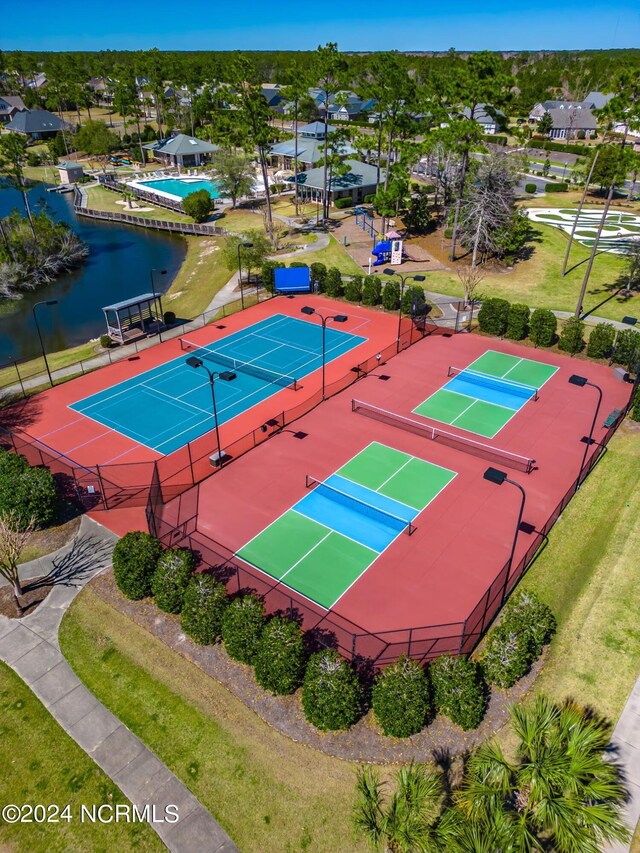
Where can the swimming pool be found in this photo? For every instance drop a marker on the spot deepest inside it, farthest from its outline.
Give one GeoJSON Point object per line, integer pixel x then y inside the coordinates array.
{"type": "Point", "coordinates": [179, 187]}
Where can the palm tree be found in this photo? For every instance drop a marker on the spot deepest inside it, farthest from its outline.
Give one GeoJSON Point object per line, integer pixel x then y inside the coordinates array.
{"type": "Point", "coordinates": [405, 822]}
{"type": "Point", "coordinates": [559, 792]}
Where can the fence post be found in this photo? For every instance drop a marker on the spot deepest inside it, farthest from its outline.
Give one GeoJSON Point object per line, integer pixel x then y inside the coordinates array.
{"type": "Point", "coordinates": [462, 637]}
{"type": "Point", "coordinates": [19, 378]}
{"type": "Point", "coordinates": [353, 647]}
{"type": "Point", "coordinates": [193, 478]}
{"type": "Point", "coordinates": [409, 643]}
{"type": "Point", "coordinates": [102, 489]}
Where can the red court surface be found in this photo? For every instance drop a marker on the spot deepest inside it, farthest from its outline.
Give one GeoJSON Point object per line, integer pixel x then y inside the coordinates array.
{"type": "Point", "coordinates": [462, 540]}
{"type": "Point", "coordinates": [47, 418]}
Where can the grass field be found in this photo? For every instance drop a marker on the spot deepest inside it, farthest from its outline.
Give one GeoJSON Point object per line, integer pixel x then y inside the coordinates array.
{"type": "Point", "coordinates": [99, 198]}
{"type": "Point", "coordinates": [588, 575]}
{"type": "Point", "coordinates": [272, 795]}
{"type": "Point", "coordinates": [200, 277]}
{"type": "Point", "coordinates": [8, 375]}
{"type": "Point", "coordinates": [335, 255]}
{"type": "Point", "coordinates": [42, 764]}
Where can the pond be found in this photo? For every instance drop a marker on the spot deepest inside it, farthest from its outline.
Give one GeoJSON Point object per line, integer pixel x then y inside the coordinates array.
{"type": "Point", "coordinates": [118, 267]}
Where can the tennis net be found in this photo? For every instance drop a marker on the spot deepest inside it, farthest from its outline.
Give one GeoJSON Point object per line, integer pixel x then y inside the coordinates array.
{"type": "Point", "coordinates": [240, 366]}
{"type": "Point", "coordinates": [497, 383]}
{"type": "Point", "coordinates": [381, 516]}
{"type": "Point", "coordinates": [451, 439]}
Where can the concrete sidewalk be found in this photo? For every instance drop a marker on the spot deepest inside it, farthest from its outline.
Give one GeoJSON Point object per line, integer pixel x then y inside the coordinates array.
{"type": "Point", "coordinates": [626, 741]}
{"type": "Point", "coordinates": [30, 646]}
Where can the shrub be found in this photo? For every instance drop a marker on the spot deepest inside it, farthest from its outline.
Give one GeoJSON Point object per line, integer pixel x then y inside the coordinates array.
{"type": "Point", "coordinates": [525, 613]}
{"type": "Point", "coordinates": [198, 205]}
{"type": "Point", "coordinates": [391, 296]}
{"type": "Point", "coordinates": [600, 344]}
{"type": "Point", "coordinates": [428, 188]}
{"type": "Point", "coordinates": [268, 274]}
{"type": "Point", "coordinates": [341, 203]}
{"type": "Point", "coordinates": [448, 233]}
{"type": "Point", "coordinates": [281, 657]}
{"type": "Point", "coordinates": [581, 134]}
{"type": "Point", "coordinates": [353, 289]}
{"type": "Point", "coordinates": [634, 414]}
{"type": "Point", "coordinates": [333, 284]}
{"type": "Point", "coordinates": [371, 290]}
{"type": "Point", "coordinates": [332, 694]}
{"type": "Point", "coordinates": [25, 491]}
{"type": "Point", "coordinates": [542, 327]}
{"type": "Point", "coordinates": [318, 272]}
{"type": "Point", "coordinates": [506, 656]}
{"type": "Point", "coordinates": [571, 337]}
{"type": "Point", "coordinates": [547, 145]}
{"type": "Point", "coordinates": [517, 322]}
{"type": "Point", "coordinates": [413, 301]}
{"type": "Point", "coordinates": [171, 577]}
{"type": "Point", "coordinates": [169, 318]}
{"type": "Point", "coordinates": [242, 627]}
{"type": "Point", "coordinates": [135, 558]}
{"type": "Point", "coordinates": [401, 698]}
{"type": "Point", "coordinates": [556, 187]}
{"type": "Point", "coordinates": [627, 348]}
{"type": "Point", "coordinates": [368, 199]}
{"type": "Point", "coordinates": [530, 188]}
{"type": "Point", "coordinates": [458, 690]}
{"type": "Point", "coordinates": [204, 605]}
{"type": "Point", "coordinates": [105, 342]}
{"type": "Point", "coordinates": [492, 317]}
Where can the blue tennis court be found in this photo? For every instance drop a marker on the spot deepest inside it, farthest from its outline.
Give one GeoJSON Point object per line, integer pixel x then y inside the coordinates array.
{"type": "Point", "coordinates": [170, 405]}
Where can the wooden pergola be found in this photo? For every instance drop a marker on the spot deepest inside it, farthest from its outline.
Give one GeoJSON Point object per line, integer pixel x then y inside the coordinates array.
{"type": "Point", "coordinates": [133, 318]}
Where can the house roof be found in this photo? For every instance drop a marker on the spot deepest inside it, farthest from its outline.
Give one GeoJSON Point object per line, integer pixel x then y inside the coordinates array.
{"type": "Point", "coordinates": [482, 115]}
{"type": "Point", "coordinates": [575, 119]}
{"type": "Point", "coordinates": [35, 121]}
{"type": "Point", "coordinates": [309, 150]}
{"type": "Point", "coordinates": [13, 102]}
{"type": "Point", "coordinates": [181, 144]}
{"type": "Point", "coordinates": [359, 175]}
{"type": "Point", "coordinates": [598, 100]}
{"type": "Point", "coordinates": [129, 303]}
{"type": "Point", "coordinates": [315, 128]}
{"type": "Point", "coordinates": [69, 165]}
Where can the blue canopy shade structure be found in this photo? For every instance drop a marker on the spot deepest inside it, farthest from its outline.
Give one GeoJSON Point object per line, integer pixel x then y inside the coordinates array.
{"type": "Point", "coordinates": [292, 280]}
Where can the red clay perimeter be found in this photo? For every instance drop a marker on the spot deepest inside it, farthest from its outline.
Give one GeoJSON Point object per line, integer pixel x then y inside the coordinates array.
{"type": "Point", "coordinates": [453, 568]}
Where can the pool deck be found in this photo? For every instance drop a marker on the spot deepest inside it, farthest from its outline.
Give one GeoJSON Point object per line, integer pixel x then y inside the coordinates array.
{"type": "Point", "coordinates": [144, 185]}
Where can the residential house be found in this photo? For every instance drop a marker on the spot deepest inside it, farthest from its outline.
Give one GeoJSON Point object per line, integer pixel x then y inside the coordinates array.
{"type": "Point", "coordinates": [567, 122]}
{"type": "Point", "coordinates": [9, 106]}
{"type": "Point", "coordinates": [598, 100]}
{"type": "Point", "coordinates": [311, 141]}
{"type": "Point", "coordinates": [593, 101]}
{"type": "Point", "coordinates": [361, 180]}
{"type": "Point", "coordinates": [36, 124]}
{"type": "Point", "coordinates": [102, 88]}
{"type": "Point", "coordinates": [70, 173]}
{"type": "Point", "coordinates": [274, 99]}
{"type": "Point", "coordinates": [38, 80]}
{"type": "Point", "coordinates": [490, 119]}
{"type": "Point", "coordinates": [352, 108]}
{"type": "Point", "coordinates": [181, 150]}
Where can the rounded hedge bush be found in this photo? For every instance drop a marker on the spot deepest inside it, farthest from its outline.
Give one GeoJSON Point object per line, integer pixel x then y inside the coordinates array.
{"type": "Point", "coordinates": [281, 657]}
{"type": "Point", "coordinates": [341, 203]}
{"type": "Point", "coordinates": [413, 300]}
{"type": "Point", "coordinates": [524, 612]}
{"type": "Point", "coordinates": [506, 656]}
{"type": "Point", "coordinates": [242, 628]}
{"type": "Point", "coordinates": [530, 188]}
{"type": "Point", "coordinates": [169, 318]}
{"type": "Point", "coordinates": [29, 493]}
{"type": "Point", "coordinates": [571, 338]}
{"type": "Point", "coordinates": [333, 283]}
{"type": "Point", "coordinates": [391, 296]}
{"type": "Point", "coordinates": [601, 339]}
{"type": "Point", "coordinates": [542, 327]}
{"type": "Point", "coordinates": [517, 322]}
{"type": "Point", "coordinates": [458, 690]}
{"type": "Point", "coordinates": [492, 316]}
{"type": "Point", "coordinates": [318, 273]}
{"type": "Point", "coordinates": [203, 608]}
{"type": "Point", "coordinates": [105, 342]}
{"type": "Point", "coordinates": [332, 694]}
{"type": "Point", "coordinates": [627, 348]}
{"type": "Point", "coordinates": [401, 698]}
{"type": "Point", "coordinates": [371, 290]}
{"type": "Point", "coordinates": [135, 558]}
{"type": "Point", "coordinates": [353, 289]}
{"type": "Point", "coordinates": [171, 577]}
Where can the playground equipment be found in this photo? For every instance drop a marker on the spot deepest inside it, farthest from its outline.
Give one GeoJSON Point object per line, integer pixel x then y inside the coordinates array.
{"type": "Point", "coordinates": [389, 252]}
{"type": "Point", "coordinates": [365, 221]}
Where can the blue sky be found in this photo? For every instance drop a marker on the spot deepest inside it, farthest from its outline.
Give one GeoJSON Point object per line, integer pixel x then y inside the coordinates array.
{"type": "Point", "coordinates": [355, 25]}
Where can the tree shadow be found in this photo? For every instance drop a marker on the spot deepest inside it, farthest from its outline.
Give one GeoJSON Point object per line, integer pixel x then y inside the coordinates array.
{"type": "Point", "coordinates": [86, 555]}
{"type": "Point", "coordinates": [19, 415]}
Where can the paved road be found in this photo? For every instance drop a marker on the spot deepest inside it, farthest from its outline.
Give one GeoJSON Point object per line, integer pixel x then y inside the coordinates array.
{"type": "Point", "coordinates": [30, 646]}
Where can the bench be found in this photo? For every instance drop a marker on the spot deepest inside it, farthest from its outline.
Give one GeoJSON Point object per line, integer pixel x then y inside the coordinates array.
{"type": "Point", "coordinates": [612, 417]}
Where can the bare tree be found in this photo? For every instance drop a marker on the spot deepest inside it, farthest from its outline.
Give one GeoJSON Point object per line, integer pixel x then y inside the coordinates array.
{"type": "Point", "coordinates": [470, 277]}
{"type": "Point", "coordinates": [13, 539]}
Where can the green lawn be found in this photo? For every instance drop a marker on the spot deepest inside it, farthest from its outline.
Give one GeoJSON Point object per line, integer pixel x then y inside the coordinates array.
{"type": "Point", "coordinates": [270, 794]}
{"type": "Point", "coordinates": [99, 198]}
{"type": "Point", "coordinates": [335, 255]}
{"type": "Point", "coordinates": [537, 281]}
{"type": "Point", "coordinates": [56, 360]}
{"type": "Point", "coordinates": [200, 277]}
{"type": "Point", "coordinates": [588, 575]}
{"type": "Point", "coordinates": [42, 764]}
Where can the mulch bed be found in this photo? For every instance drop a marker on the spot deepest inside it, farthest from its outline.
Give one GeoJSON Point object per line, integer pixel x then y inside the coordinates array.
{"type": "Point", "coordinates": [34, 593]}
{"type": "Point", "coordinates": [364, 742]}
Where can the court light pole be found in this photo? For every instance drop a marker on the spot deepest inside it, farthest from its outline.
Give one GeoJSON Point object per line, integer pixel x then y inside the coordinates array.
{"type": "Point", "coordinates": [35, 317]}
{"type": "Point", "coordinates": [581, 381]}
{"type": "Point", "coordinates": [495, 475]}
{"type": "Point", "coordinates": [226, 376]}
{"type": "Point", "coordinates": [242, 245]}
{"type": "Point", "coordinates": [403, 283]}
{"type": "Point", "coordinates": [337, 318]}
{"type": "Point", "coordinates": [153, 289]}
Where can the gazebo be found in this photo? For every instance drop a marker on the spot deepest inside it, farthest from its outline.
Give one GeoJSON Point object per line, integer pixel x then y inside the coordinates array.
{"type": "Point", "coordinates": [133, 318]}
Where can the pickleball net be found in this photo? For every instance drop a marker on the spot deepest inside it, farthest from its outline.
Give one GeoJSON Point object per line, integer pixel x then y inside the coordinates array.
{"type": "Point", "coordinates": [248, 367]}
{"type": "Point", "coordinates": [496, 383]}
{"type": "Point", "coordinates": [451, 439]}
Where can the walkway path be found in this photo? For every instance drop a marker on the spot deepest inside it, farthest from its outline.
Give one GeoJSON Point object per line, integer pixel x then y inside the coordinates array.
{"type": "Point", "coordinates": [626, 739]}
{"type": "Point", "coordinates": [30, 646]}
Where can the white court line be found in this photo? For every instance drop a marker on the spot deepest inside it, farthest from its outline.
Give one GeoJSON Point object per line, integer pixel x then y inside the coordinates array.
{"type": "Point", "coordinates": [513, 366]}
{"type": "Point", "coordinates": [84, 443]}
{"type": "Point", "coordinates": [175, 400]}
{"type": "Point", "coordinates": [64, 426]}
{"type": "Point", "coordinates": [333, 530]}
{"type": "Point", "coordinates": [469, 397]}
{"type": "Point", "coordinates": [404, 464]}
{"type": "Point", "coordinates": [304, 557]}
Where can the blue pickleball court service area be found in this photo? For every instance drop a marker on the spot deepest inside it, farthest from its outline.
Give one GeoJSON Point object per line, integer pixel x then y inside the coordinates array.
{"type": "Point", "coordinates": [170, 405]}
